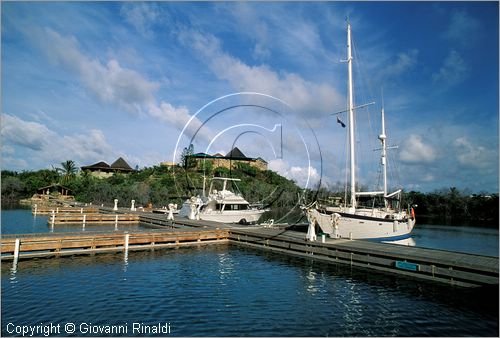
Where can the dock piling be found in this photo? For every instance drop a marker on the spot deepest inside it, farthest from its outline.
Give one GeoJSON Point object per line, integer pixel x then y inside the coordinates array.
{"type": "Point", "coordinates": [17, 245]}
{"type": "Point", "coordinates": [127, 238]}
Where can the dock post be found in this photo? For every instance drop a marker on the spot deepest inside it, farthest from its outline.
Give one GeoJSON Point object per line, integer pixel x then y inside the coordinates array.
{"type": "Point", "coordinates": [81, 210]}
{"type": "Point", "coordinates": [127, 238]}
{"type": "Point", "coordinates": [36, 208]}
{"type": "Point", "coordinates": [170, 212]}
{"type": "Point", "coordinates": [53, 218]}
{"type": "Point", "coordinates": [115, 208]}
{"type": "Point", "coordinates": [350, 235]}
{"type": "Point", "coordinates": [311, 231]}
{"type": "Point", "coordinates": [17, 245]}
{"type": "Point", "coordinates": [323, 238]}
{"type": "Point", "coordinates": [84, 220]}
{"type": "Point", "coordinates": [57, 210]}
{"type": "Point", "coordinates": [132, 207]}
{"type": "Point", "coordinates": [116, 222]}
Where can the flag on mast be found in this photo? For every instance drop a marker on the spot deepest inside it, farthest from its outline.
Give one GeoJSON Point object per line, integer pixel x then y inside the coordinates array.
{"type": "Point", "coordinates": [341, 123]}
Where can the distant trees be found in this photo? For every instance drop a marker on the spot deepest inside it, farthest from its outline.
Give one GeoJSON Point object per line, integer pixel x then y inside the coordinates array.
{"type": "Point", "coordinates": [159, 185]}
{"type": "Point", "coordinates": [12, 189]}
{"type": "Point", "coordinates": [451, 205]}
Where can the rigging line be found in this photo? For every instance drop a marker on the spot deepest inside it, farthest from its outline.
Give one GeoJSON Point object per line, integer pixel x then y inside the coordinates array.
{"type": "Point", "coordinates": [396, 170]}
{"type": "Point", "coordinates": [365, 153]}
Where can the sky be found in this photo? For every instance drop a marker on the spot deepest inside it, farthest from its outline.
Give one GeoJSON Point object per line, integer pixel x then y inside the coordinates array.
{"type": "Point", "coordinates": [93, 81]}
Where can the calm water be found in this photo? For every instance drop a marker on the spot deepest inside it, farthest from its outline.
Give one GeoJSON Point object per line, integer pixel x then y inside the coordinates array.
{"type": "Point", "coordinates": [227, 290]}
{"type": "Point", "coordinates": [476, 240]}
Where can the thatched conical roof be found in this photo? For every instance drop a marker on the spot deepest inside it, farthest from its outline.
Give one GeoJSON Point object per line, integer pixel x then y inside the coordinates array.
{"type": "Point", "coordinates": [98, 165]}
{"type": "Point", "coordinates": [235, 153]}
{"type": "Point", "coordinates": [121, 164]}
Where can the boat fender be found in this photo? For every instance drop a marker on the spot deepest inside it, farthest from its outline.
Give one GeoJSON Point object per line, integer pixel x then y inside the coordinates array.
{"type": "Point", "coordinates": [412, 213]}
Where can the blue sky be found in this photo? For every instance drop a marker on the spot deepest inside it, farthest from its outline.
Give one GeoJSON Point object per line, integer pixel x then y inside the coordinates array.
{"type": "Point", "coordinates": [94, 81]}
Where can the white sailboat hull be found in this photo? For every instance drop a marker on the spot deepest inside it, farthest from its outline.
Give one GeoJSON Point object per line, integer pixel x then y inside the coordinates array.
{"type": "Point", "coordinates": [379, 229]}
{"type": "Point", "coordinates": [352, 226]}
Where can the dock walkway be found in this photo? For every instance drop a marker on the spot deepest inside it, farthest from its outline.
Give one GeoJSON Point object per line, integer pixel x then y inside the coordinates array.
{"type": "Point", "coordinates": [437, 265]}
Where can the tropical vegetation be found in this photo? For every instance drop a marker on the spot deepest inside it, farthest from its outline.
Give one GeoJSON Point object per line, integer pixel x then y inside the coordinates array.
{"type": "Point", "coordinates": [160, 185]}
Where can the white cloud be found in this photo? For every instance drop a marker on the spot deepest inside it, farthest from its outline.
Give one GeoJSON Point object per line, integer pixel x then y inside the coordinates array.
{"type": "Point", "coordinates": [414, 150]}
{"type": "Point", "coordinates": [304, 176]}
{"type": "Point", "coordinates": [48, 147]}
{"type": "Point", "coordinates": [109, 82]}
{"type": "Point", "coordinates": [142, 16]}
{"type": "Point", "coordinates": [179, 117]}
{"type": "Point", "coordinates": [403, 63]}
{"type": "Point", "coordinates": [302, 95]}
{"type": "Point", "coordinates": [7, 150]}
{"type": "Point", "coordinates": [32, 135]}
{"type": "Point", "coordinates": [474, 156]}
{"type": "Point", "coordinates": [453, 71]}
{"type": "Point", "coordinates": [463, 27]}
{"type": "Point", "coordinates": [113, 84]}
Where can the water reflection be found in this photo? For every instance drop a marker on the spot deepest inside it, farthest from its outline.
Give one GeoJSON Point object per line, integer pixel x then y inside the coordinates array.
{"type": "Point", "coordinates": [125, 264]}
{"type": "Point", "coordinates": [12, 275]}
{"type": "Point", "coordinates": [311, 282]}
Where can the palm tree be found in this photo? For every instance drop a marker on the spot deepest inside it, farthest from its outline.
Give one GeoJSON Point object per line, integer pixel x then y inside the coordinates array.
{"type": "Point", "coordinates": [68, 170]}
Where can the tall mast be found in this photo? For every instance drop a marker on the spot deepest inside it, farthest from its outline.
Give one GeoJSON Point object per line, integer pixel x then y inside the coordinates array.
{"type": "Point", "coordinates": [382, 137]}
{"type": "Point", "coordinates": [351, 118]}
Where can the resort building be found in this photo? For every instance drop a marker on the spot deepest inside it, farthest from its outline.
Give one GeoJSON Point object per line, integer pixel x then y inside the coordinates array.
{"type": "Point", "coordinates": [54, 188]}
{"type": "Point", "coordinates": [229, 161]}
{"type": "Point", "coordinates": [103, 170]}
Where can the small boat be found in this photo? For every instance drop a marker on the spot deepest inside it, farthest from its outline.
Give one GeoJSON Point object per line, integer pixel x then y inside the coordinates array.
{"type": "Point", "coordinates": [221, 205]}
{"type": "Point", "coordinates": [387, 222]}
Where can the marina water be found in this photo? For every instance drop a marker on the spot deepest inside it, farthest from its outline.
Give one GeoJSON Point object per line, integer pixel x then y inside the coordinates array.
{"type": "Point", "coordinates": [226, 290]}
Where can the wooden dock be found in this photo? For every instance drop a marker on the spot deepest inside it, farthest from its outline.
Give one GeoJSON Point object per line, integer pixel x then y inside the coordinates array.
{"type": "Point", "coordinates": [437, 265]}
{"type": "Point", "coordinates": [418, 263]}
{"type": "Point", "coordinates": [63, 244]}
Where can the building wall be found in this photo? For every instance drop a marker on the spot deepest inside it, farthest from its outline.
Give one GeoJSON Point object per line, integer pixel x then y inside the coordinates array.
{"type": "Point", "coordinates": [101, 174]}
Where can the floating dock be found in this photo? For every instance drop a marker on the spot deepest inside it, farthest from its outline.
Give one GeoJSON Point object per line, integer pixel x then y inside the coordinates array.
{"type": "Point", "coordinates": [64, 244]}
{"type": "Point", "coordinates": [437, 265]}
{"type": "Point", "coordinates": [452, 268]}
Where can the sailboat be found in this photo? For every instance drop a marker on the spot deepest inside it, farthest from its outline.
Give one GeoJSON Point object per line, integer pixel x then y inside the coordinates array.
{"type": "Point", "coordinates": [383, 223]}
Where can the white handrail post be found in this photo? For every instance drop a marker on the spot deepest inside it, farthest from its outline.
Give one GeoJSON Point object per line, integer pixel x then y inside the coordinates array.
{"type": "Point", "coordinates": [127, 238]}
{"type": "Point", "coordinates": [17, 246]}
